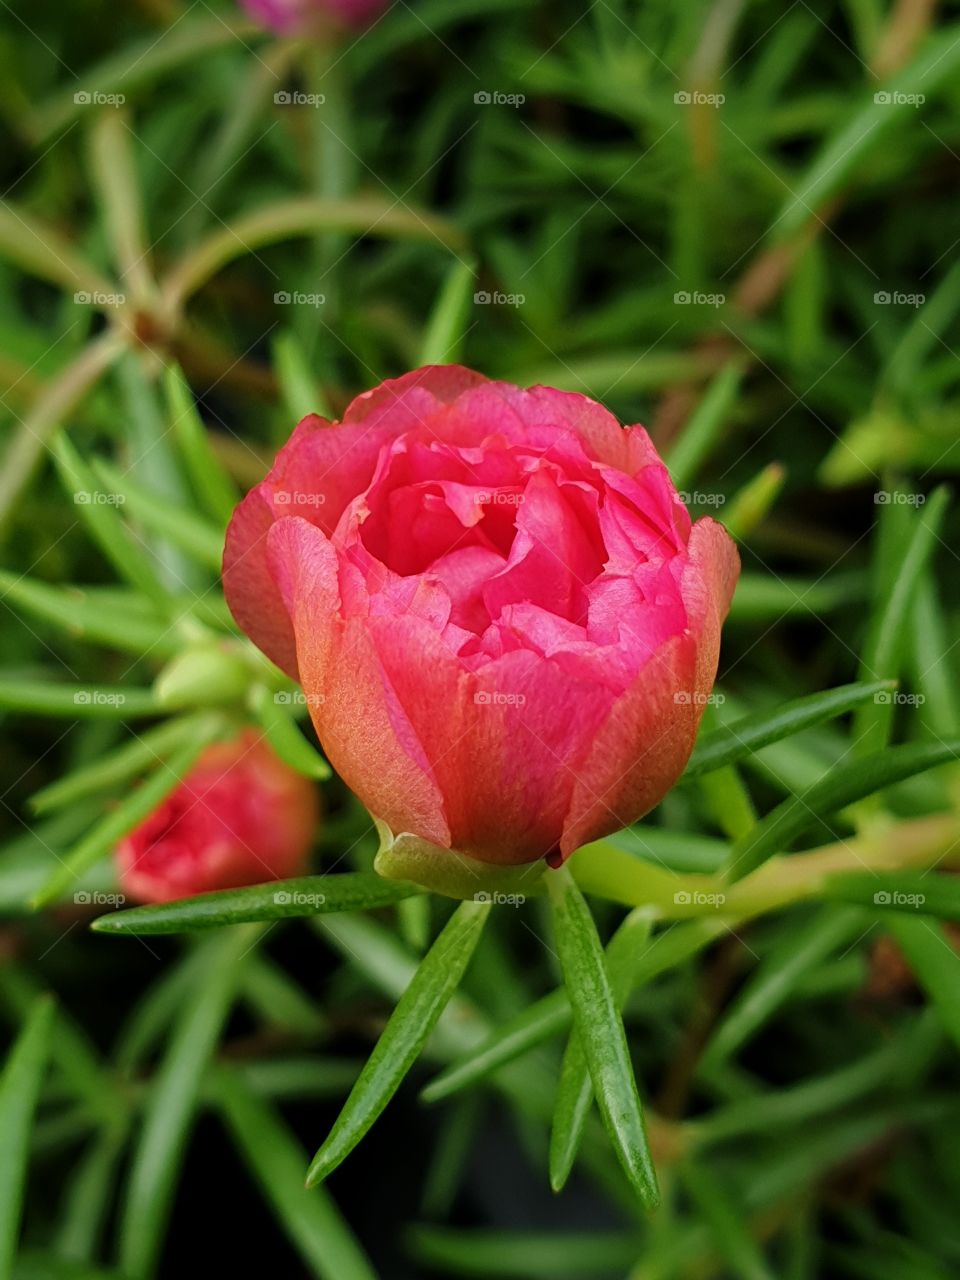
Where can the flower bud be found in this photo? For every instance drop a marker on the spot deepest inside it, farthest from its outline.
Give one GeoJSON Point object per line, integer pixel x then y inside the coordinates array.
{"type": "Point", "coordinates": [506, 625]}
{"type": "Point", "coordinates": [240, 817]}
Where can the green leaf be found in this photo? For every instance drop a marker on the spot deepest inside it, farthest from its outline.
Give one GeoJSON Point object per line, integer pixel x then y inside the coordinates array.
{"type": "Point", "coordinates": [126, 762]}
{"type": "Point", "coordinates": [77, 701]}
{"type": "Point", "coordinates": [777, 976]}
{"type": "Point", "coordinates": [761, 597]}
{"type": "Point", "coordinates": [529, 1254]}
{"type": "Point", "coordinates": [404, 1036]}
{"type": "Point", "coordinates": [278, 900]}
{"type": "Point", "coordinates": [575, 1089]}
{"type": "Point", "coordinates": [276, 1160]}
{"type": "Point", "coordinates": [301, 394]}
{"type": "Point", "coordinates": [172, 1101]}
{"type": "Point", "coordinates": [551, 1015]}
{"type": "Point", "coordinates": [447, 323]}
{"type": "Point", "coordinates": [193, 534]}
{"type": "Point", "coordinates": [139, 62]}
{"type": "Point", "coordinates": [298, 217]}
{"type": "Point", "coordinates": [704, 426]}
{"type": "Point", "coordinates": [87, 616]}
{"type": "Point", "coordinates": [19, 1090]}
{"type": "Point", "coordinates": [732, 742]}
{"type": "Point", "coordinates": [114, 174]}
{"type": "Point", "coordinates": [40, 250]}
{"type": "Point", "coordinates": [842, 786]}
{"type": "Point", "coordinates": [734, 1242]}
{"type": "Point", "coordinates": [839, 157]}
{"type": "Point", "coordinates": [29, 443]}
{"type": "Point", "coordinates": [545, 1018]}
{"type": "Point", "coordinates": [751, 504]}
{"type": "Point", "coordinates": [132, 810]}
{"type": "Point", "coordinates": [128, 556]}
{"type": "Point", "coordinates": [917, 893]}
{"type": "Point", "coordinates": [284, 735]}
{"type": "Point", "coordinates": [210, 480]}
{"type": "Point", "coordinates": [601, 1032]}
{"type": "Point", "coordinates": [933, 958]}
{"type": "Point", "coordinates": [883, 655]}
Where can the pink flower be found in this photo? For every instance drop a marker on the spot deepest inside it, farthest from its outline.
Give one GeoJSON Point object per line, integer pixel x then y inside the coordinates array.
{"type": "Point", "coordinates": [497, 600]}
{"type": "Point", "coordinates": [240, 816]}
{"type": "Point", "coordinates": [295, 17]}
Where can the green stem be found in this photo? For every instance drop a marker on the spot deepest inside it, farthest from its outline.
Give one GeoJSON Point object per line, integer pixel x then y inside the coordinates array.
{"type": "Point", "coordinates": [609, 872]}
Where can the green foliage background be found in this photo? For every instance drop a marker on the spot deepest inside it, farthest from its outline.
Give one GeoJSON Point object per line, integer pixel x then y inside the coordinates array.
{"type": "Point", "coordinates": [734, 222]}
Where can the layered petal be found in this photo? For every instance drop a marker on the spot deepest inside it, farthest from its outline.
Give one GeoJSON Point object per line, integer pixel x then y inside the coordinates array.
{"type": "Point", "coordinates": [504, 621]}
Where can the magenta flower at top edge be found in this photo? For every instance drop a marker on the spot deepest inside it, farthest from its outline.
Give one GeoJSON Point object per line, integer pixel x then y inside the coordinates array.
{"type": "Point", "coordinates": [506, 624]}
{"type": "Point", "coordinates": [295, 17]}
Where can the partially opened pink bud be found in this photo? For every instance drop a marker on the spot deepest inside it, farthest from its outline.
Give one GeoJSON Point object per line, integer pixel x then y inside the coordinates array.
{"type": "Point", "coordinates": [241, 816]}
{"type": "Point", "coordinates": [296, 17]}
{"type": "Point", "coordinates": [505, 621]}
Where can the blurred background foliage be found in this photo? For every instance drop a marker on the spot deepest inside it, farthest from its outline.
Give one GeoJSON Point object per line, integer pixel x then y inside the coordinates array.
{"type": "Point", "coordinates": [734, 222]}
